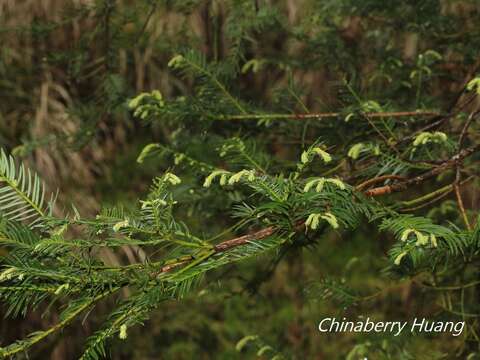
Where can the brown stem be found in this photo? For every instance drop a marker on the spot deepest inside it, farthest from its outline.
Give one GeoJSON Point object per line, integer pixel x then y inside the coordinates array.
{"type": "Point", "coordinates": [329, 115]}
{"type": "Point", "coordinates": [439, 121]}
{"type": "Point", "coordinates": [230, 244]}
{"type": "Point", "coordinates": [464, 132]}
{"type": "Point", "coordinates": [383, 190]}
{"type": "Point", "coordinates": [261, 234]}
{"type": "Point", "coordinates": [458, 177]}
{"type": "Point", "coordinates": [461, 206]}
{"type": "Point", "coordinates": [378, 179]}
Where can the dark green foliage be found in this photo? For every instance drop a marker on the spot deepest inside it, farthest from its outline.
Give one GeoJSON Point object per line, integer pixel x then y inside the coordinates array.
{"type": "Point", "coordinates": [312, 146]}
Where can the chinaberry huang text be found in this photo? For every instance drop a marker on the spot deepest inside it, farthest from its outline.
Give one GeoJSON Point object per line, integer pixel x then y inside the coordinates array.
{"type": "Point", "coordinates": [417, 325]}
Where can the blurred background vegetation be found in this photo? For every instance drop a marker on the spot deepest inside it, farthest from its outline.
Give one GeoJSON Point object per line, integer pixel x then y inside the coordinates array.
{"type": "Point", "coordinates": [69, 67]}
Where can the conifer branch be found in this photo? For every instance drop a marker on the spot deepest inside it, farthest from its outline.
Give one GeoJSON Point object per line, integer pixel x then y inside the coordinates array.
{"type": "Point", "coordinates": [238, 85]}
{"type": "Point", "coordinates": [379, 191]}
{"type": "Point", "coordinates": [36, 337]}
{"type": "Point", "coordinates": [219, 85]}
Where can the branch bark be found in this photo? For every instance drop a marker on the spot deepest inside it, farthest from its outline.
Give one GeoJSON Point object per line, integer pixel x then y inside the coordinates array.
{"type": "Point", "coordinates": [400, 186]}
{"type": "Point", "coordinates": [319, 116]}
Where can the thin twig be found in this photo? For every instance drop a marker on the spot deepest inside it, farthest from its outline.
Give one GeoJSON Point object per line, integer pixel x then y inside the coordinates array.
{"type": "Point", "coordinates": [431, 197]}
{"type": "Point", "coordinates": [319, 116]}
{"type": "Point", "coordinates": [145, 24]}
{"type": "Point", "coordinates": [378, 179]}
{"type": "Point", "coordinates": [460, 204]}
{"type": "Point", "coordinates": [34, 338]}
{"type": "Point", "coordinates": [464, 132]}
{"type": "Point", "coordinates": [458, 176]}
{"type": "Point", "coordinates": [387, 189]}
{"type": "Point", "coordinates": [439, 120]}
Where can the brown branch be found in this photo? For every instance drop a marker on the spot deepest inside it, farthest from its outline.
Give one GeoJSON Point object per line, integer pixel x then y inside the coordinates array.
{"type": "Point", "coordinates": [464, 132]}
{"type": "Point", "coordinates": [227, 245]}
{"type": "Point", "coordinates": [172, 266]}
{"type": "Point", "coordinates": [461, 206]}
{"type": "Point", "coordinates": [378, 179]}
{"type": "Point", "coordinates": [222, 247]}
{"type": "Point", "coordinates": [328, 115]}
{"type": "Point", "coordinates": [387, 189]}
{"type": "Point", "coordinates": [439, 120]}
{"type": "Point", "coordinates": [458, 177]}
{"type": "Point", "coordinates": [470, 75]}
{"type": "Point", "coordinates": [230, 244]}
